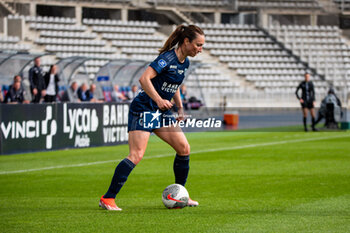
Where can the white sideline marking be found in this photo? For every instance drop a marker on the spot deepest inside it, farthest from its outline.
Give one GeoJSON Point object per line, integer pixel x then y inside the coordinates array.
{"type": "Point", "coordinates": [268, 144]}
{"type": "Point", "coordinates": [166, 155]}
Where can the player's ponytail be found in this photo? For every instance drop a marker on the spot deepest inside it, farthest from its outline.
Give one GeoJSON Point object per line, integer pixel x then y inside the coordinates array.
{"type": "Point", "coordinates": [178, 36]}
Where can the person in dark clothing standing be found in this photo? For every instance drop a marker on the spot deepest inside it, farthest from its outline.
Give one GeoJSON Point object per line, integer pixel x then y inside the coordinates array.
{"type": "Point", "coordinates": [51, 84]}
{"type": "Point", "coordinates": [37, 82]}
{"type": "Point", "coordinates": [307, 100]}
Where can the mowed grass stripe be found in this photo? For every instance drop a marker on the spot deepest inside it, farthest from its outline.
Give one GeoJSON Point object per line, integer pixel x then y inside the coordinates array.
{"type": "Point", "coordinates": [172, 154]}
{"type": "Point", "coordinates": [290, 187]}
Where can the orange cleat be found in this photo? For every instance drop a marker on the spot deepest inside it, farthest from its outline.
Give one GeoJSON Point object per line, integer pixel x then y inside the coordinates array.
{"type": "Point", "coordinates": [192, 203]}
{"type": "Point", "coordinates": [108, 204]}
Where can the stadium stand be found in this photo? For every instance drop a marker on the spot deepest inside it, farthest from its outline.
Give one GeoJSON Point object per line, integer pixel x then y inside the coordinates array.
{"type": "Point", "coordinates": [296, 4]}
{"type": "Point", "coordinates": [210, 80]}
{"type": "Point", "coordinates": [320, 46]}
{"type": "Point", "coordinates": [344, 5]}
{"type": "Point", "coordinates": [240, 60]}
{"type": "Point", "coordinates": [64, 38]}
{"type": "Point", "coordinates": [256, 57]}
{"type": "Point", "coordinates": [202, 3]}
{"type": "Point", "coordinates": [12, 43]}
{"type": "Point", "coordinates": [132, 38]}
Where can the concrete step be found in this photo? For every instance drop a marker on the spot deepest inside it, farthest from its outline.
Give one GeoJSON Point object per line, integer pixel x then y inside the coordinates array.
{"type": "Point", "coordinates": [8, 7]}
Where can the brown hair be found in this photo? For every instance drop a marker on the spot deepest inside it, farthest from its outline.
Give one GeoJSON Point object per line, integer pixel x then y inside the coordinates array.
{"type": "Point", "coordinates": [178, 36]}
{"type": "Point", "coordinates": [16, 79]}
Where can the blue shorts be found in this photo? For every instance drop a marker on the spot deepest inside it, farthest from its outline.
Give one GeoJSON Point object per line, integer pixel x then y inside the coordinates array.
{"type": "Point", "coordinates": [149, 121]}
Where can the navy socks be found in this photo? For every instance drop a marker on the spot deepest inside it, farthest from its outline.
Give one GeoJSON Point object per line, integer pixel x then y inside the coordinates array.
{"type": "Point", "coordinates": [121, 174]}
{"type": "Point", "coordinates": [124, 168]}
{"type": "Point", "coordinates": [181, 168]}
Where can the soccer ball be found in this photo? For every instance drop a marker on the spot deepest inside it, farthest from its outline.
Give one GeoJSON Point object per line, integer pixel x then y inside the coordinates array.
{"type": "Point", "coordinates": [175, 196]}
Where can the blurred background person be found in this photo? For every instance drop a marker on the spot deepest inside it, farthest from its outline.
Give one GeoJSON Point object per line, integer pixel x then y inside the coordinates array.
{"type": "Point", "coordinates": [133, 92]}
{"type": "Point", "coordinates": [37, 82]}
{"type": "Point", "coordinates": [117, 95]}
{"type": "Point", "coordinates": [82, 92]}
{"type": "Point", "coordinates": [71, 95]}
{"type": "Point", "coordinates": [90, 94]}
{"type": "Point", "coordinates": [26, 96]}
{"type": "Point", "coordinates": [51, 84]}
{"type": "Point", "coordinates": [330, 109]}
{"type": "Point", "coordinates": [307, 100]}
{"type": "Point", "coordinates": [15, 94]}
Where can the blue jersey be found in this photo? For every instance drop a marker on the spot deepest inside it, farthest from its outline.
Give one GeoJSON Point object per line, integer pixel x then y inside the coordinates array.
{"type": "Point", "coordinates": [170, 74]}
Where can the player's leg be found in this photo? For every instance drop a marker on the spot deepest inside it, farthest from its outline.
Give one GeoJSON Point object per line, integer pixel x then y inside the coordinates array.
{"type": "Point", "coordinates": [312, 113]}
{"type": "Point", "coordinates": [177, 140]}
{"type": "Point", "coordinates": [138, 141]}
{"type": "Point", "coordinates": [137, 145]}
{"type": "Point", "coordinates": [305, 118]}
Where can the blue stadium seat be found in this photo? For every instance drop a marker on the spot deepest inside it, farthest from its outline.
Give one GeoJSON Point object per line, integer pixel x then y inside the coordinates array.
{"type": "Point", "coordinates": [5, 89]}
{"type": "Point", "coordinates": [107, 93]}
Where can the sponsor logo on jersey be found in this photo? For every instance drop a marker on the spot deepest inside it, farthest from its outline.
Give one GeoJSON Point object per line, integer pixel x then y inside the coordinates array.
{"type": "Point", "coordinates": [162, 63]}
{"type": "Point", "coordinates": [180, 71]}
{"type": "Point", "coordinates": [173, 67]}
{"type": "Point", "coordinates": [169, 87]}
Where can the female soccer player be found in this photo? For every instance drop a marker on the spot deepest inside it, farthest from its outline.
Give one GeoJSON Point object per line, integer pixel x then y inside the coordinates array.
{"type": "Point", "coordinates": [307, 100]}
{"type": "Point", "coordinates": [150, 110]}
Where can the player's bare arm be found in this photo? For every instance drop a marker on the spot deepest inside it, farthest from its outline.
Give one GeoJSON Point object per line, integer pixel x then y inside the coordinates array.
{"type": "Point", "coordinates": [147, 86]}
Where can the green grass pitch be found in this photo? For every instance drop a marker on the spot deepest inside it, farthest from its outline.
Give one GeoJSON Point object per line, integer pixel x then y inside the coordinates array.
{"type": "Point", "coordinates": [244, 182]}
